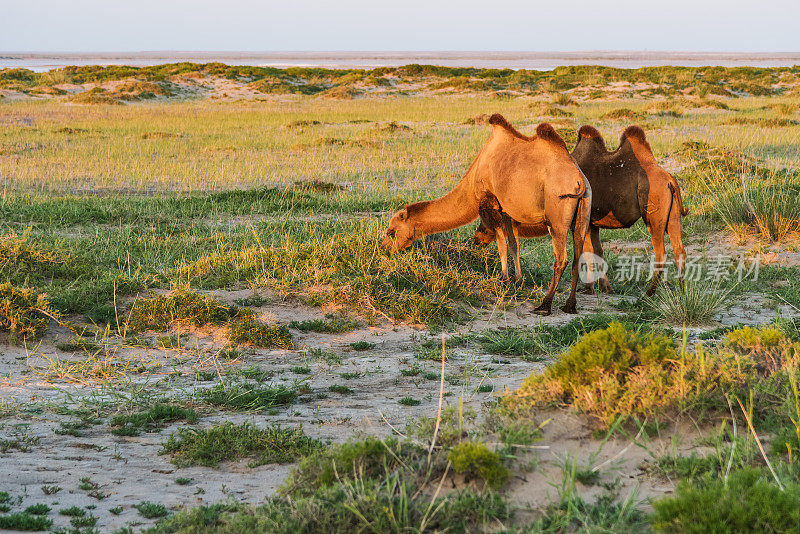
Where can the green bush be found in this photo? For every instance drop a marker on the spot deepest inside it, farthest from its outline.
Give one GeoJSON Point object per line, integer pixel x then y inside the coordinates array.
{"type": "Point", "coordinates": [614, 372]}
{"type": "Point", "coordinates": [476, 459]}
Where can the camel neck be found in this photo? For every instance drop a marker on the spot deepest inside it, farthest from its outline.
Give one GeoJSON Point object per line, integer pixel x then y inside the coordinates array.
{"type": "Point", "coordinates": [455, 209]}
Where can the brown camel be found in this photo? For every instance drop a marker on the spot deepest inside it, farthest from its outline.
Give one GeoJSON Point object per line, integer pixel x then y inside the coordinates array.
{"type": "Point", "coordinates": [533, 178]}
{"type": "Point", "coordinates": [627, 185]}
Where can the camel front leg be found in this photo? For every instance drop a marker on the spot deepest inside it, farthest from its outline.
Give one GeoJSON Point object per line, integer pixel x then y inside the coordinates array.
{"type": "Point", "coordinates": [559, 237]}
{"type": "Point", "coordinates": [512, 232]}
{"type": "Point", "coordinates": [588, 246]}
{"type": "Point", "coordinates": [594, 234]}
{"type": "Point", "coordinates": [502, 249]}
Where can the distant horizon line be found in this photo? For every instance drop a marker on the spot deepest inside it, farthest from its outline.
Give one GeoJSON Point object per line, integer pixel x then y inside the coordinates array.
{"type": "Point", "coordinates": [400, 53]}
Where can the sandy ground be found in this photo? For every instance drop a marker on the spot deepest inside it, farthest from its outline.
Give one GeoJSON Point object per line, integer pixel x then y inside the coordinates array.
{"type": "Point", "coordinates": [128, 470]}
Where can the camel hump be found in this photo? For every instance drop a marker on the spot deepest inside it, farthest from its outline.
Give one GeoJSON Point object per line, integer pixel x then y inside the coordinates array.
{"type": "Point", "coordinates": [589, 132]}
{"type": "Point", "coordinates": [499, 120]}
{"type": "Point", "coordinates": [546, 131]}
{"type": "Point", "coordinates": [634, 132]}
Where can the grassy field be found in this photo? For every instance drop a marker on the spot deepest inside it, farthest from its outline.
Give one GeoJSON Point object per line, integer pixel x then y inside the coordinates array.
{"type": "Point", "coordinates": [200, 333]}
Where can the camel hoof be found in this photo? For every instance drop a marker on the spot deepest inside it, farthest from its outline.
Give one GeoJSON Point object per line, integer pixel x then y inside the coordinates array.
{"type": "Point", "coordinates": [569, 307]}
{"type": "Point", "coordinates": [587, 290]}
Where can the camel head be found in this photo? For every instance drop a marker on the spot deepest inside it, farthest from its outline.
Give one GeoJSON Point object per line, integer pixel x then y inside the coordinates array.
{"type": "Point", "coordinates": [484, 236]}
{"type": "Point", "coordinates": [400, 234]}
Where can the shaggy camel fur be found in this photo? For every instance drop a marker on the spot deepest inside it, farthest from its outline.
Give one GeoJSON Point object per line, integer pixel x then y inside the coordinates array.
{"type": "Point", "coordinates": [533, 178]}
{"type": "Point", "coordinates": [627, 185]}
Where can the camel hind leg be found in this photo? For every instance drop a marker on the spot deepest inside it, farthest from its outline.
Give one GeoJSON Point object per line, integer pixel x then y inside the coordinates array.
{"type": "Point", "coordinates": [657, 229]}
{"type": "Point", "coordinates": [580, 229]}
{"type": "Point", "coordinates": [676, 239]}
{"type": "Point", "coordinates": [559, 236]}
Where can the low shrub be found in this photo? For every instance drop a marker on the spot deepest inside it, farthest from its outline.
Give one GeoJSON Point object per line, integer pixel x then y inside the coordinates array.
{"type": "Point", "coordinates": [614, 372]}
{"type": "Point", "coordinates": [23, 312]}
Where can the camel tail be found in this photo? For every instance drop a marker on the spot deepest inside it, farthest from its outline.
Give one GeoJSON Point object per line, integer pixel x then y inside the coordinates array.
{"type": "Point", "coordinates": [676, 194]}
{"type": "Point", "coordinates": [581, 190]}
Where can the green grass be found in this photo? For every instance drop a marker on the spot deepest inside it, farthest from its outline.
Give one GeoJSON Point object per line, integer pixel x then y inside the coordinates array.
{"type": "Point", "coordinates": [24, 521]}
{"type": "Point", "coordinates": [150, 510]}
{"type": "Point", "coordinates": [73, 511]}
{"type": "Point", "coordinates": [37, 509]}
{"type": "Point", "coordinates": [338, 388]}
{"type": "Point", "coordinates": [332, 324]}
{"type": "Point", "coordinates": [229, 442]}
{"type": "Point", "coordinates": [248, 397]}
{"type": "Point", "coordinates": [151, 419]}
{"type": "Point", "coordinates": [690, 303]}
{"type": "Point", "coordinates": [409, 401]}
{"type": "Point", "coordinates": [388, 504]}
{"type": "Point", "coordinates": [367, 458]}
{"type": "Point", "coordinates": [604, 514]}
{"type": "Point", "coordinates": [259, 334]}
{"type": "Point", "coordinates": [748, 501]}
{"type": "Point", "coordinates": [162, 312]}
{"type": "Point", "coordinates": [535, 342]}
{"type": "Point", "coordinates": [360, 346]}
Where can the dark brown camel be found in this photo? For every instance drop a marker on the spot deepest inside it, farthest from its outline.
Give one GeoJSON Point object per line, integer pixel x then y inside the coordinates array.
{"type": "Point", "coordinates": [533, 178]}
{"type": "Point", "coordinates": [627, 185]}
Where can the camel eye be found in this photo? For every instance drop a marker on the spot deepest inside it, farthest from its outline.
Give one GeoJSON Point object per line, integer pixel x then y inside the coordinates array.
{"type": "Point", "coordinates": [390, 232]}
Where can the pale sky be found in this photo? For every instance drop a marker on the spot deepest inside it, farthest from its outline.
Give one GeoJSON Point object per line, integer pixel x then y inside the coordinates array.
{"type": "Point", "coordinates": [497, 25]}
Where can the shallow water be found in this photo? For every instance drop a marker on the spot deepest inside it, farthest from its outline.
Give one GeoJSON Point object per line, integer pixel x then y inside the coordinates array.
{"type": "Point", "coordinates": [515, 60]}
